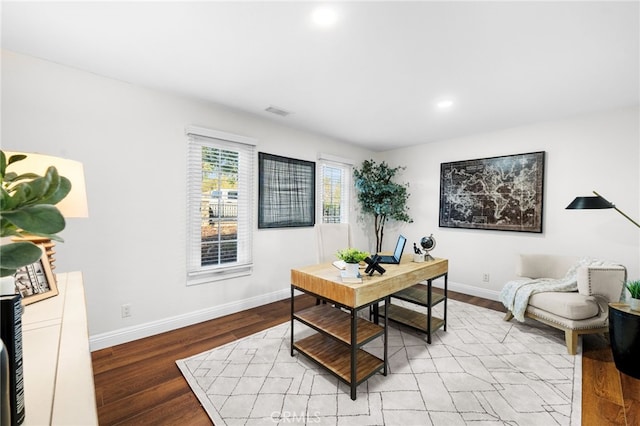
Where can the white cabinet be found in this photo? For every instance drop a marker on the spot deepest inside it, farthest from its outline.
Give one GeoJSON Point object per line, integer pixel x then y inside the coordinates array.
{"type": "Point", "coordinates": [58, 374]}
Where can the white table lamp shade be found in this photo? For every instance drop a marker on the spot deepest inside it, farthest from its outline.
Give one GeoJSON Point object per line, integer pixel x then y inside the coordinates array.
{"type": "Point", "coordinates": [75, 203]}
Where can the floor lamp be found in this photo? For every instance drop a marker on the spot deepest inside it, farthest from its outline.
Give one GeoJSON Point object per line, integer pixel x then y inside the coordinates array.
{"type": "Point", "coordinates": [73, 205]}
{"type": "Point", "coordinates": [597, 202]}
{"type": "Point", "coordinates": [623, 322]}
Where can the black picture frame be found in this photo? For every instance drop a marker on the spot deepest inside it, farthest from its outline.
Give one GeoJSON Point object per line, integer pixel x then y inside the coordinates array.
{"type": "Point", "coordinates": [502, 193]}
{"type": "Point", "coordinates": [286, 192]}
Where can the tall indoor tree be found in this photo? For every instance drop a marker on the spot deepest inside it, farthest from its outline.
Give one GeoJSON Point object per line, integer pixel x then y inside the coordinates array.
{"type": "Point", "coordinates": [380, 196]}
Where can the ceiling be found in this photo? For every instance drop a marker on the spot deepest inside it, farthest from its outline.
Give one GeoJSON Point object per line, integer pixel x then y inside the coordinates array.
{"type": "Point", "coordinates": [373, 78]}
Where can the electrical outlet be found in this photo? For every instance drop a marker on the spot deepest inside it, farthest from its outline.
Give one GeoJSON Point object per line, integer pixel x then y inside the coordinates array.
{"type": "Point", "coordinates": [485, 277]}
{"type": "Point", "coordinates": [126, 311]}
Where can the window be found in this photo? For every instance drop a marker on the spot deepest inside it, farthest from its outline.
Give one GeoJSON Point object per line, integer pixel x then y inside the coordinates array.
{"type": "Point", "coordinates": [334, 190]}
{"type": "Point", "coordinates": [219, 205]}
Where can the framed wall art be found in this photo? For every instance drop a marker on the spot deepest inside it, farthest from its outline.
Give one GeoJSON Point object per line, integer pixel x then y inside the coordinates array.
{"type": "Point", "coordinates": [499, 193]}
{"type": "Point", "coordinates": [286, 192]}
{"type": "Point", "coordinates": [36, 282]}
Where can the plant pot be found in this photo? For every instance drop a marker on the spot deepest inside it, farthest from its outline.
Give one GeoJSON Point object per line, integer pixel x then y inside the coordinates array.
{"type": "Point", "coordinates": [7, 285]}
{"type": "Point", "coordinates": [352, 269]}
{"type": "Point", "coordinates": [634, 304]}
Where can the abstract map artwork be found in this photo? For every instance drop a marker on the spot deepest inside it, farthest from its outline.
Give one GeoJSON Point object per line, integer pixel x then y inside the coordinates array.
{"type": "Point", "coordinates": [498, 193]}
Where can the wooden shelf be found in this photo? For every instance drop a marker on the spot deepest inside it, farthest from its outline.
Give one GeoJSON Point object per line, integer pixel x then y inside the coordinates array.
{"type": "Point", "coordinates": [337, 323]}
{"type": "Point", "coordinates": [336, 357]}
{"type": "Point", "coordinates": [418, 294]}
{"type": "Point", "coordinates": [411, 318]}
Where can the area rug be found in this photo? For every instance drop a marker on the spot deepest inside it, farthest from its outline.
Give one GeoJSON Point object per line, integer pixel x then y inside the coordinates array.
{"type": "Point", "coordinates": [482, 370]}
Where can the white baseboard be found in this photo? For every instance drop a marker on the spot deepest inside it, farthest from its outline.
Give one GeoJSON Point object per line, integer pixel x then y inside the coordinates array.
{"type": "Point", "coordinates": [129, 334]}
{"type": "Point", "coordinates": [470, 290]}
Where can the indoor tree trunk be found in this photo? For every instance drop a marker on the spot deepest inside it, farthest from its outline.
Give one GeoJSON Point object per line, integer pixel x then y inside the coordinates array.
{"type": "Point", "coordinates": [379, 221]}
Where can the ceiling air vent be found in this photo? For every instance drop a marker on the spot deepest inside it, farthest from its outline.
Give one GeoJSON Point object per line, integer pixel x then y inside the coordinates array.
{"type": "Point", "coordinates": [277, 111]}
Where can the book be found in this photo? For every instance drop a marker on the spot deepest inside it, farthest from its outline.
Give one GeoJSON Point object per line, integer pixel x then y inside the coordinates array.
{"type": "Point", "coordinates": [11, 332]}
{"type": "Point", "coordinates": [346, 278]}
{"type": "Point", "coordinates": [340, 264]}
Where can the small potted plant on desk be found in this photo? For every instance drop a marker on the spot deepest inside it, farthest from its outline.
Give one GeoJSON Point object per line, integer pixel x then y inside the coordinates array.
{"type": "Point", "coordinates": [352, 257]}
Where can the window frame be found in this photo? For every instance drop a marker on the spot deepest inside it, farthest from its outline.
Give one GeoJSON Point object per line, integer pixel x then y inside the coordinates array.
{"type": "Point", "coordinates": [197, 137]}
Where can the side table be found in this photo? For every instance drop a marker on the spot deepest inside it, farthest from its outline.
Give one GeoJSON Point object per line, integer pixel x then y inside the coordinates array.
{"type": "Point", "coordinates": [624, 332]}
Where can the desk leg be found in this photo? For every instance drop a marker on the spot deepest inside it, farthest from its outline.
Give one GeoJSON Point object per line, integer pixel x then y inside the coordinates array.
{"type": "Point", "coordinates": [291, 321]}
{"type": "Point", "coordinates": [387, 301]}
{"type": "Point", "coordinates": [354, 352]}
{"type": "Point", "coordinates": [446, 297]}
{"type": "Point", "coordinates": [429, 309]}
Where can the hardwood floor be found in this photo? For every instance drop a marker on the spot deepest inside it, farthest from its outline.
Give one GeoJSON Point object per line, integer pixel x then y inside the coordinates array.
{"type": "Point", "coordinates": [138, 383]}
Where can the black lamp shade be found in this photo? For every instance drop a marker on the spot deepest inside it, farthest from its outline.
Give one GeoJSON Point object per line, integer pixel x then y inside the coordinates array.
{"type": "Point", "coordinates": [590, 203]}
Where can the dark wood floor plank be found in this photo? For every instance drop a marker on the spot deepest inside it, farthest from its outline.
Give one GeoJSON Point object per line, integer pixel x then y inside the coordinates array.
{"type": "Point", "coordinates": [602, 402]}
{"type": "Point", "coordinates": [631, 396]}
{"type": "Point", "coordinates": [143, 405]}
{"type": "Point", "coordinates": [158, 345]}
{"type": "Point", "coordinates": [138, 383]}
{"type": "Point", "coordinates": [189, 413]}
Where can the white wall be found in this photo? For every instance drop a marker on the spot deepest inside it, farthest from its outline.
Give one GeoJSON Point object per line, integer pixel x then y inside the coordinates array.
{"type": "Point", "coordinates": [132, 247]}
{"type": "Point", "coordinates": [131, 140]}
{"type": "Point", "coordinates": [595, 152]}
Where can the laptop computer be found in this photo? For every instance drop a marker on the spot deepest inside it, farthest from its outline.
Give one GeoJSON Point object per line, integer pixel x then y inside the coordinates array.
{"type": "Point", "coordinates": [394, 259]}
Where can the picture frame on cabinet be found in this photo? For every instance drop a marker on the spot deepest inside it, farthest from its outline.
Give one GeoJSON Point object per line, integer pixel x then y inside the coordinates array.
{"type": "Point", "coordinates": [36, 281]}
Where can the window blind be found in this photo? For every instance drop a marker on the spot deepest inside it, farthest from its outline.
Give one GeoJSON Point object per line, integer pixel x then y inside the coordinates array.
{"type": "Point", "coordinates": [220, 175]}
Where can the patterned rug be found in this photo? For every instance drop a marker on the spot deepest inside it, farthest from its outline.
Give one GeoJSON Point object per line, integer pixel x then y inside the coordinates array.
{"type": "Point", "coordinates": [481, 371]}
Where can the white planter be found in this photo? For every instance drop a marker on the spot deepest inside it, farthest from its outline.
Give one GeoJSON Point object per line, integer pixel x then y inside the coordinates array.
{"type": "Point", "coordinates": [634, 304]}
{"type": "Point", "coordinates": [7, 285]}
{"type": "Point", "coordinates": [352, 269]}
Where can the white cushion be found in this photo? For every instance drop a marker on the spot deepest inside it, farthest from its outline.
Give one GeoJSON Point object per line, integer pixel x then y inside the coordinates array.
{"type": "Point", "coordinates": [570, 305]}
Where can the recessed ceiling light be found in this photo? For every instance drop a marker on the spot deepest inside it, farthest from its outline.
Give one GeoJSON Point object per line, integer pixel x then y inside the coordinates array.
{"type": "Point", "coordinates": [324, 16]}
{"type": "Point", "coordinates": [444, 104]}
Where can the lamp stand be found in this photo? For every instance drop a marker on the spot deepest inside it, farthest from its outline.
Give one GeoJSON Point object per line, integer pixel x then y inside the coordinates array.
{"type": "Point", "coordinates": [618, 210]}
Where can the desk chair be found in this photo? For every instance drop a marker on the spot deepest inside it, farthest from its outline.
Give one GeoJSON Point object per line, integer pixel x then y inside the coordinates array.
{"type": "Point", "coordinates": [331, 237]}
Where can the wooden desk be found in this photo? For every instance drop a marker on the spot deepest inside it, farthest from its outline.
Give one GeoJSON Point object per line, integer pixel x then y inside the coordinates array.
{"type": "Point", "coordinates": [341, 333]}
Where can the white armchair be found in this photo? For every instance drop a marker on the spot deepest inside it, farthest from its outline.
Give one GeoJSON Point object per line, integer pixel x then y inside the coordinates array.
{"type": "Point", "coordinates": [576, 312]}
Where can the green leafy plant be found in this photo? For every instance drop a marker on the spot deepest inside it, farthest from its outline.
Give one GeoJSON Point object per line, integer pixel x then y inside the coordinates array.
{"type": "Point", "coordinates": [27, 209]}
{"type": "Point", "coordinates": [380, 196]}
{"type": "Point", "coordinates": [634, 288]}
{"type": "Point", "coordinates": [352, 255]}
